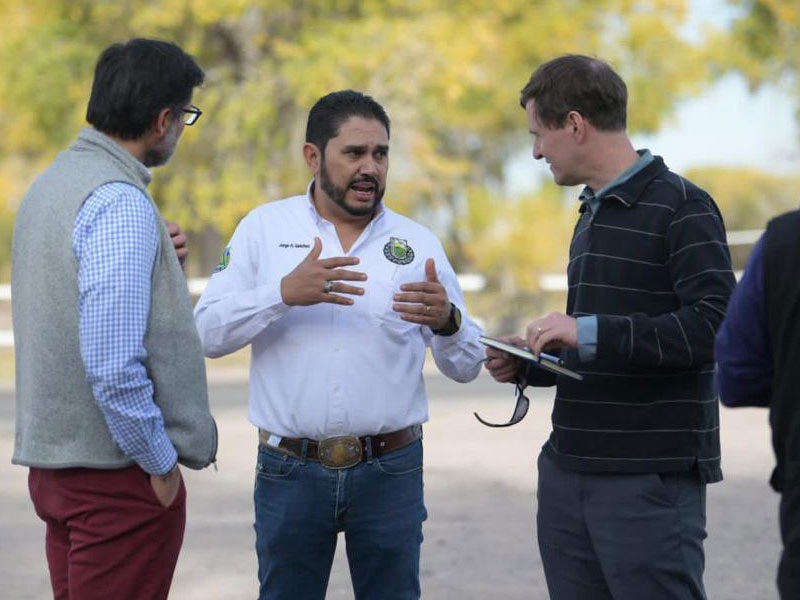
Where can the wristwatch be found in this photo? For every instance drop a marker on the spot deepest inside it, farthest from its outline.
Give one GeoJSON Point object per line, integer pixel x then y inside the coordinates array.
{"type": "Point", "coordinates": [453, 324]}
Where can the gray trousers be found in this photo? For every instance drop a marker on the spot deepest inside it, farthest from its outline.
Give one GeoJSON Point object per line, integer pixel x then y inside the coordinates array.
{"type": "Point", "coordinates": [619, 536]}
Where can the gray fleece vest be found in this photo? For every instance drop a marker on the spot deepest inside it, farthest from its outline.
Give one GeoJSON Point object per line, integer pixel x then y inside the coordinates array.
{"type": "Point", "coordinates": [58, 422]}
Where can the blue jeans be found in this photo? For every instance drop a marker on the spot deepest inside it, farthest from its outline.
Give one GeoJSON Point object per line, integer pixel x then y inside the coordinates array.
{"type": "Point", "coordinates": [301, 506]}
{"type": "Point", "coordinates": [621, 536]}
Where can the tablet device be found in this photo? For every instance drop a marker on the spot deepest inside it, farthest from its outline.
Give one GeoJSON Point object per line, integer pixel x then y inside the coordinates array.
{"type": "Point", "coordinates": [545, 361]}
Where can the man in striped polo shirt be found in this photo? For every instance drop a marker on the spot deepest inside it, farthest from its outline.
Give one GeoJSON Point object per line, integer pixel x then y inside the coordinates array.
{"type": "Point", "coordinates": [621, 494]}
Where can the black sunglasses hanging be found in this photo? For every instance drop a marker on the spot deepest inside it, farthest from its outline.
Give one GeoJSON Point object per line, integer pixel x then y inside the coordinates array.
{"type": "Point", "coordinates": [520, 410]}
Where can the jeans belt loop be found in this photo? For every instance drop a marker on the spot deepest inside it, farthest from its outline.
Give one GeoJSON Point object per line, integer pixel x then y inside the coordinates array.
{"type": "Point", "coordinates": [368, 445]}
{"type": "Point", "coordinates": [304, 453]}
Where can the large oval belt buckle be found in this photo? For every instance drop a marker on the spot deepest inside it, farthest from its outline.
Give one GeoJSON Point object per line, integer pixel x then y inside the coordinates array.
{"type": "Point", "coordinates": [340, 452]}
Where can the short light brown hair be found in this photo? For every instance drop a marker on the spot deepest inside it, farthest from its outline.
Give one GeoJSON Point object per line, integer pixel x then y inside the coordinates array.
{"type": "Point", "coordinates": [584, 84]}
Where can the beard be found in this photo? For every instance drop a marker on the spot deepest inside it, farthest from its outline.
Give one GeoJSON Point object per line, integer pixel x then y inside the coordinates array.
{"type": "Point", "coordinates": [159, 155]}
{"type": "Point", "coordinates": [338, 195]}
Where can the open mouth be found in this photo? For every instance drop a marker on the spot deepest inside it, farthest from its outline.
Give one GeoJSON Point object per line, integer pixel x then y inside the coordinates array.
{"type": "Point", "coordinates": [364, 190]}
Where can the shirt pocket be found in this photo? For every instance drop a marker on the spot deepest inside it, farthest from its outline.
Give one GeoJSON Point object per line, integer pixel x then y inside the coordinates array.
{"type": "Point", "coordinates": [380, 294]}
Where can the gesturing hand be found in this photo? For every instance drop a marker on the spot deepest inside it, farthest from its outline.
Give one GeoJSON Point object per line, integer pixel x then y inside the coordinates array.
{"type": "Point", "coordinates": [312, 281]}
{"type": "Point", "coordinates": [424, 302]}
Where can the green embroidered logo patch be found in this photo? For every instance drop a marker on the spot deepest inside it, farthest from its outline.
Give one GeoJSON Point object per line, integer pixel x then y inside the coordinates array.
{"type": "Point", "coordinates": [224, 261]}
{"type": "Point", "coordinates": [398, 251]}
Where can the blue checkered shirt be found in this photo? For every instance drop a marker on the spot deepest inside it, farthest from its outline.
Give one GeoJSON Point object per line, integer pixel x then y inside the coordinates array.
{"type": "Point", "coordinates": [115, 240]}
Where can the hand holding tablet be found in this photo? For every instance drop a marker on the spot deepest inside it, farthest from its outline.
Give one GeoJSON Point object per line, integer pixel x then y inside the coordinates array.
{"type": "Point", "coordinates": [545, 361]}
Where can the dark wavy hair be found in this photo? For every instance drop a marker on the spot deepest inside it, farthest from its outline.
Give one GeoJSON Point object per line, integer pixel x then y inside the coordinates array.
{"type": "Point", "coordinates": [136, 80]}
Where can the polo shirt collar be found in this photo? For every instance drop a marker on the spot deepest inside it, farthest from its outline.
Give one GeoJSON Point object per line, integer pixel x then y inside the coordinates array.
{"type": "Point", "coordinates": [628, 187]}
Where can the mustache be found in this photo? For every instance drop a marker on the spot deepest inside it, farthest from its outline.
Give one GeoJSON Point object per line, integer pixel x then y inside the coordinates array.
{"type": "Point", "coordinates": [365, 179]}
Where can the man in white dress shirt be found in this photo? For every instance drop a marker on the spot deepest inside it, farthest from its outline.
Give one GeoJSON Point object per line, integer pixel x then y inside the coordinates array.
{"type": "Point", "coordinates": [339, 298]}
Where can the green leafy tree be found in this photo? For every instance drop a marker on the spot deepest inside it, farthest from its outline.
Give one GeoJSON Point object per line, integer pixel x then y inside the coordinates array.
{"type": "Point", "coordinates": [764, 42]}
{"type": "Point", "coordinates": [448, 72]}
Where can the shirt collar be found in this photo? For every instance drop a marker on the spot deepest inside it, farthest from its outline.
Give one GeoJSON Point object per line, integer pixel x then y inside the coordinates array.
{"type": "Point", "coordinates": [588, 195]}
{"type": "Point", "coordinates": [310, 201]}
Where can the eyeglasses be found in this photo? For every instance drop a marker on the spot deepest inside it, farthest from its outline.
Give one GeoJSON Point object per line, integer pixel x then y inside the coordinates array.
{"type": "Point", "coordinates": [192, 114]}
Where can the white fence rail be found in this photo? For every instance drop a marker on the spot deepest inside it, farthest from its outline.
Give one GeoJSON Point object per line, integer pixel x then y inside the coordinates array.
{"type": "Point", "coordinates": [470, 282]}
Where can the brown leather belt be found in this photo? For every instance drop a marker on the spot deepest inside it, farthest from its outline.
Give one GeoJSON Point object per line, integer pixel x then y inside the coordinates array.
{"type": "Point", "coordinates": [345, 451]}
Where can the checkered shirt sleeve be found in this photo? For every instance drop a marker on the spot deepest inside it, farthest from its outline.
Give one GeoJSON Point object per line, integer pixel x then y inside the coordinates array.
{"type": "Point", "coordinates": [115, 239]}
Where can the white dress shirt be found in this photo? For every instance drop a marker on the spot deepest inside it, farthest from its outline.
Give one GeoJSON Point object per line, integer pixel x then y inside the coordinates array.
{"type": "Point", "coordinates": [325, 370]}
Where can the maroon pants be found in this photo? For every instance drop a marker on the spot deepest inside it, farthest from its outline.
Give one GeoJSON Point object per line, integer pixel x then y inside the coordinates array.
{"type": "Point", "coordinates": [107, 534]}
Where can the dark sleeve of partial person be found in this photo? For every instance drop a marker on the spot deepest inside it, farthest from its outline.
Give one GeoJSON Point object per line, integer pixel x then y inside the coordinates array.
{"type": "Point", "coordinates": [702, 280]}
{"type": "Point", "coordinates": [744, 358]}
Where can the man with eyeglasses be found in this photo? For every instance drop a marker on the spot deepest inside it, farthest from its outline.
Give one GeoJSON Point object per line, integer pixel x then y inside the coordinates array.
{"type": "Point", "coordinates": [110, 390]}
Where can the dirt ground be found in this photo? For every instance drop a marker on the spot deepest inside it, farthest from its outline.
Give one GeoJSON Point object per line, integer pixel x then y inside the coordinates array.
{"type": "Point", "coordinates": [479, 490]}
